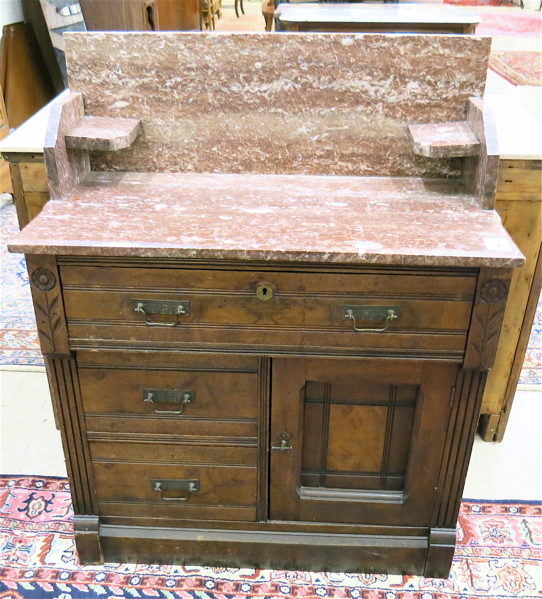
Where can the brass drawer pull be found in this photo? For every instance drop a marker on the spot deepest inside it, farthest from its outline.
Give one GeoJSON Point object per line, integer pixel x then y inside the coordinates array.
{"type": "Point", "coordinates": [175, 396]}
{"type": "Point", "coordinates": [148, 307]}
{"type": "Point", "coordinates": [167, 485]}
{"type": "Point", "coordinates": [386, 313]}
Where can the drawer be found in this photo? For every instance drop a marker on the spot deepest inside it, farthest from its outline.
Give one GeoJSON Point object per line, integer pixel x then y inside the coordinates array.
{"type": "Point", "coordinates": [192, 492]}
{"type": "Point", "coordinates": [222, 390]}
{"type": "Point", "coordinates": [275, 310]}
{"type": "Point", "coordinates": [169, 394]}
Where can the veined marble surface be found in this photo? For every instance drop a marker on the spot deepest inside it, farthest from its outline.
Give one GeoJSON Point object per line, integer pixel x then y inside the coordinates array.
{"type": "Point", "coordinates": [363, 220]}
{"type": "Point", "coordinates": [444, 139]}
{"type": "Point", "coordinates": [302, 103]}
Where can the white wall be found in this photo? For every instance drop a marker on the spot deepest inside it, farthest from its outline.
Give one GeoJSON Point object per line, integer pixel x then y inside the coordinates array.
{"type": "Point", "coordinates": [11, 11]}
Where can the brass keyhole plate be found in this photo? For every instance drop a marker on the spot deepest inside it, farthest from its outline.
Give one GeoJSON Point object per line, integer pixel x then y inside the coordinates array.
{"type": "Point", "coordinates": [265, 291]}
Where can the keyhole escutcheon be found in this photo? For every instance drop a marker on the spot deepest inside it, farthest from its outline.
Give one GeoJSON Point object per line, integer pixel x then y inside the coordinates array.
{"type": "Point", "coordinates": [265, 291]}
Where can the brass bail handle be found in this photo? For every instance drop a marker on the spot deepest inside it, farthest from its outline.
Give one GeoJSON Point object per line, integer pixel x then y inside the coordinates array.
{"type": "Point", "coordinates": [187, 398]}
{"type": "Point", "coordinates": [140, 308]}
{"type": "Point", "coordinates": [185, 486]}
{"type": "Point", "coordinates": [391, 316]}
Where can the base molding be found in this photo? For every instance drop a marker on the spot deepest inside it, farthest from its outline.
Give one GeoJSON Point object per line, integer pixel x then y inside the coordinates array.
{"type": "Point", "coordinates": [397, 554]}
{"type": "Point", "coordinates": [87, 539]}
{"type": "Point", "coordinates": [440, 552]}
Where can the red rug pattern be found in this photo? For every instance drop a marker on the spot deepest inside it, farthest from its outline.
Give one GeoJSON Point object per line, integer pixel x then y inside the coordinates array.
{"type": "Point", "coordinates": [498, 555]}
{"type": "Point", "coordinates": [520, 25]}
{"type": "Point", "coordinates": [519, 68]}
{"type": "Point", "coordinates": [480, 2]}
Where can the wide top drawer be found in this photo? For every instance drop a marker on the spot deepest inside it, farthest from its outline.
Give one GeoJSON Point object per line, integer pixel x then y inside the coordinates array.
{"type": "Point", "coordinates": [280, 310]}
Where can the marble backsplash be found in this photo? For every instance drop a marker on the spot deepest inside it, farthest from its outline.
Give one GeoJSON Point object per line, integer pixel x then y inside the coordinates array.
{"type": "Point", "coordinates": [277, 103]}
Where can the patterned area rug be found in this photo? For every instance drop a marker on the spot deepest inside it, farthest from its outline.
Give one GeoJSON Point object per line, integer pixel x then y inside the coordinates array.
{"type": "Point", "coordinates": [480, 2]}
{"type": "Point", "coordinates": [520, 68]}
{"type": "Point", "coordinates": [19, 339]}
{"type": "Point", "coordinates": [516, 25]}
{"type": "Point", "coordinates": [18, 336]}
{"type": "Point", "coordinates": [498, 555]}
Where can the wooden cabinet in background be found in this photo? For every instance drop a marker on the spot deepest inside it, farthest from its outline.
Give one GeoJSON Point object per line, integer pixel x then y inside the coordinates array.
{"type": "Point", "coordinates": [519, 204]}
{"type": "Point", "coordinates": [141, 15]}
{"type": "Point", "coordinates": [29, 181]}
{"type": "Point", "coordinates": [5, 181]}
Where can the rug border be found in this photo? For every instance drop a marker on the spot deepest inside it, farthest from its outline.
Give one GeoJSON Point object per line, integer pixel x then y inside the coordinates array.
{"type": "Point", "coordinates": [508, 74]}
{"type": "Point", "coordinates": [463, 499]}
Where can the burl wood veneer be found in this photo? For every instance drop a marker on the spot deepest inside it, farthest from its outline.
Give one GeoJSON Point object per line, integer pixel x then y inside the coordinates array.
{"type": "Point", "coordinates": [263, 358]}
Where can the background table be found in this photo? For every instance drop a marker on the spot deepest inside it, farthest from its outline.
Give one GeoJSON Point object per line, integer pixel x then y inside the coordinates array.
{"type": "Point", "coordinates": [404, 17]}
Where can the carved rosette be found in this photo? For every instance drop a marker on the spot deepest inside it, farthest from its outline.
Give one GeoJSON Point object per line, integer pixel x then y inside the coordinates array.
{"type": "Point", "coordinates": [48, 305]}
{"type": "Point", "coordinates": [487, 318]}
{"type": "Point", "coordinates": [494, 291]}
{"type": "Point", "coordinates": [43, 279]}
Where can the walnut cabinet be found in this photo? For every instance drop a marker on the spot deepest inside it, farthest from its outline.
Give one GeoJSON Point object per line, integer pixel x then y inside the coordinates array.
{"type": "Point", "coordinates": [305, 416]}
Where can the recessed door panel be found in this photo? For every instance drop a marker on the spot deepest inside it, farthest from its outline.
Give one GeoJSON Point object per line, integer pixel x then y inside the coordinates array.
{"type": "Point", "coordinates": [364, 439]}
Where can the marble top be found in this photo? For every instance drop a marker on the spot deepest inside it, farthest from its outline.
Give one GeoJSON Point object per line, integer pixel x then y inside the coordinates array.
{"type": "Point", "coordinates": [357, 220]}
{"type": "Point", "coordinates": [382, 13]}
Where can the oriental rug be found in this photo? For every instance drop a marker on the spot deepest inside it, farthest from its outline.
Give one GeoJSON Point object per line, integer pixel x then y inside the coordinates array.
{"type": "Point", "coordinates": [517, 24]}
{"type": "Point", "coordinates": [18, 335]}
{"type": "Point", "coordinates": [498, 555]}
{"type": "Point", "coordinates": [481, 2]}
{"type": "Point", "coordinates": [19, 339]}
{"type": "Point", "coordinates": [518, 67]}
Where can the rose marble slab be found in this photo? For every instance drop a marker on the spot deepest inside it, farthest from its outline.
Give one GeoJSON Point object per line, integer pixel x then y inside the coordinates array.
{"type": "Point", "coordinates": [359, 220]}
{"type": "Point", "coordinates": [101, 133]}
{"type": "Point", "coordinates": [438, 140]}
{"type": "Point", "coordinates": [302, 103]}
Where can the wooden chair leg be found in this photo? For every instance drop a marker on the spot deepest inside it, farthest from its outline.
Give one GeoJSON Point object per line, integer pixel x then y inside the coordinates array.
{"type": "Point", "coordinates": [236, 6]}
{"type": "Point", "coordinates": [243, 8]}
{"type": "Point", "coordinates": [268, 21]}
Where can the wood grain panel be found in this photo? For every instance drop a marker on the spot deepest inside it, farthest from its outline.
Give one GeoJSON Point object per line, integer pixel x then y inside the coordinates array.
{"type": "Point", "coordinates": [437, 284]}
{"type": "Point", "coordinates": [356, 438]}
{"type": "Point", "coordinates": [34, 176]}
{"type": "Point", "coordinates": [162, 426]}
{"type": "Point", "coordinates": [217, 395]}
{"type": "Point", "coordinates": [523, 221]}
{"type": "Point", "coordinates": [177, 361]}
{"type": "Point", "coordinates": [272, 341]}
{"type": "Point", "coordinates": [282, 310]}
{"type": "Point", "coordinates": [193, 452]}
{"type": "Point", "coordinates": [177, 514]}
{"type": "Point", "coordinates": [219, 485]}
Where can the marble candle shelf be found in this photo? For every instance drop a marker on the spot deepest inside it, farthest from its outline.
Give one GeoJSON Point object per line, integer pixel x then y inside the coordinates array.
{"type": "Point", "coordinates": [444, 140]}
{"type": "Point", "coordinates": [102, 133]}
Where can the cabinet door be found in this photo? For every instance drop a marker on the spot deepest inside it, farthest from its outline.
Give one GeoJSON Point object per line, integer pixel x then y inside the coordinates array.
{"type": "Point", "coordinates": [357, 441]}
